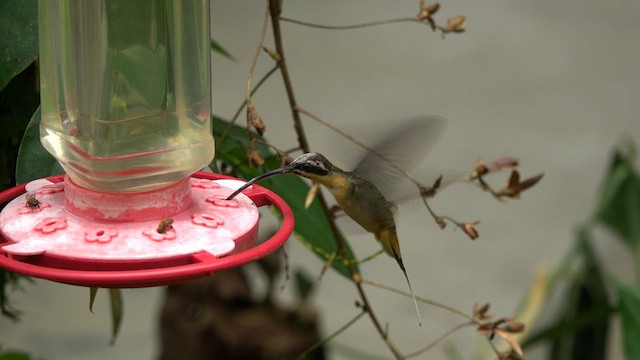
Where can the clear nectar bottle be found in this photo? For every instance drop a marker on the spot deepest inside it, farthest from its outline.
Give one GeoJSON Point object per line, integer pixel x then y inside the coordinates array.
{"type": "Point", "coordinates": [125, 90]}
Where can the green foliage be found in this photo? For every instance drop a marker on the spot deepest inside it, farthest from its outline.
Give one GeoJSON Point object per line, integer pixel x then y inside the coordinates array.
{"type": "Point", "coordinates": [117, 312]}
{"type": "Point", "coordinates": [18, 101]}
{"type": "Point", "coordinates": [303, 284]}
{"type": "Point", "coordinates": [7, 279]}
{"type": "Point", "coordinates": [14, 355]}
{"type": "Point", "coordinates": [581, 333]}
{"type": "Point", "coordinates": [630, 314]}
{"type": "Point", "coordinates": [34, 162]}
{"type": "Point", "coordinates": [217, 47]}
{"type": "Point", "coordinates": [620, 197]}
{"type": "Point", "coordinates": [18, 37]}
{"type": "Point", "coordinates": [582, 329]}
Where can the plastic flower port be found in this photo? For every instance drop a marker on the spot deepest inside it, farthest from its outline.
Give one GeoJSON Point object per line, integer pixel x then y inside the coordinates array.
{"type": "Point", "coordinates": [51, 224]}
{"type": "Point", "coordinates": [154, 235]}
{"type": "Point", "coordinates": [204, 184]}
{"type": "Point", "coordinates": [222, 202]}
{"type": "Point", "coordinates": [50, 189]}
{"type": "Point", "coordinates": [207, 220]}
{"type": "Point", "coordinates": [100, 235]}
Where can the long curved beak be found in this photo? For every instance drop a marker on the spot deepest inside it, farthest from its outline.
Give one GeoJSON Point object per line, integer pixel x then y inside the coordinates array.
{"type": "Point", "coordinates": [284, 170]}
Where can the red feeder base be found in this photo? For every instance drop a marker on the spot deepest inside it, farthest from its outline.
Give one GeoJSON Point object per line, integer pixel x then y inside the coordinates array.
{"type": "Point", "coordinates": [80, 237]}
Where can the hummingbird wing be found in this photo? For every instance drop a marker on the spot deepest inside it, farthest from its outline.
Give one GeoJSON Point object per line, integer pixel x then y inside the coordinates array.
{"type": "Point", "coordinates": [406, 145]}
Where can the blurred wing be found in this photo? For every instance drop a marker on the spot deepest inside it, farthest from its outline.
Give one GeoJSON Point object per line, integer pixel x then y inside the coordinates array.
{"type": "Point", "coordinates": [407, 145]}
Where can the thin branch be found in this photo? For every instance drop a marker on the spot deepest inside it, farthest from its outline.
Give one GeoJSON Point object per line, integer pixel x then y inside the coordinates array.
{"type": "Point", "coordinates": [332, 336]}
{"type": "Point", "coordinates": [353, 26]}
{"type": "Point", "coordinates": [254, 62]}
{"type": "Point", "coordinates": [244, 103]}
{"type": "Point", "coordinates": [439, 339]}
{"type": "Point", "coordinates": [392, 163]}
{"type": "Point", "coordinates": [274, 7]}
{"type": "Point", "coordinates": [423, 300]}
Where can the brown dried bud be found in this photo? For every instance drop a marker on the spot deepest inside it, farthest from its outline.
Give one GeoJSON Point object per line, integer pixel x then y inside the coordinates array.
{"type": "Point", "coordinates": [515, 186]}
{"type": "Point", "coordinates": [254, 120]}
{"type": "Point", "coordinates": [455, 24]}
{"type": "Point", "coordinates": [513, 326]}
{"type": "Point", "coordinates": [273, 54]}
{"type": "Point", "coordinates": [432, 8]}
{"type": "Point", "coordinates": [255, 160]}
{"type": "Point", "coordinates": [426, 11]}
{"type": "Point", "coordinates": [440, 221]}
{"type": "Point", "coordinates": [479, 170]}
{"type": "Point", "coordinates": [470, 229]}
{"type": "Point", "coordinates": [426, 190]}
{"type": "Point", "coordinates": [253, 155]}
{"type": "Point", "coordinates": [482, 312]}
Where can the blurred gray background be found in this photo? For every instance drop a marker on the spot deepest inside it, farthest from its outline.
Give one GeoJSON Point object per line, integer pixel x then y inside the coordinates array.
{"type": "Point", "coordinates": [553, 83]}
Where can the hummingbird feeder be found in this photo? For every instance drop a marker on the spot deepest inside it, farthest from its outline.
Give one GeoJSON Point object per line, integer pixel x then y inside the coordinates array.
{"type": "Point", "coordinates": [126, 97]}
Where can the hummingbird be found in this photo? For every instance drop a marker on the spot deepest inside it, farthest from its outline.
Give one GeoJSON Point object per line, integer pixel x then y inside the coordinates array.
{"type": "Point", "coordinates": [359, 198]}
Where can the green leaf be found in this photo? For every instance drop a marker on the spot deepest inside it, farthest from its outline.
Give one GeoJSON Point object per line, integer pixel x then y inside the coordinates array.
{"type": "Point", "coordinates": [630, 314]}
{"type": "Point", "coordinates": [18, 101]}
{"type": "Point", "coordinates": [619, 206]}
{"type": "Point", "coordinates": [304, 285]}
{"type": "Point", "coordinates": [117, 312]}
{"type": "Point", "coordinates": [14, 355]}
{"type": "Point", "coordinates": [34, 162]}
{"type": "Point", "coordinates": [587, 300]}
{"type": "Point", "coordinates": [312, 226]}
{"type": "Point", "coordinates": [18, 37]}
{"type": "Point", "coordinates": [221, 50]}
{"type": "Point", "coordinates": [93, 291]}
{"type": "Point", "coordinates": [7, 279]}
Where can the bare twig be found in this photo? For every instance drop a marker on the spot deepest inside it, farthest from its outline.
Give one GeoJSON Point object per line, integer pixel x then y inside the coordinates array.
{"type": "Point", "coordinates": [391, 163]}
{"type": "Point", "coordinates": [274, 8]}
{"type": "Point", "coordinates": [352, 26]}
{"type": "Point", "coordinates": [254, 61]}
{"type": "Point", "coordinates": [344, 327]}
{"type": "Point", "coordinates": [244, 103]}
{"type": "Point", "coordinates": [439, 339]}
{"type": "Point", "coordinates": [421, 299]}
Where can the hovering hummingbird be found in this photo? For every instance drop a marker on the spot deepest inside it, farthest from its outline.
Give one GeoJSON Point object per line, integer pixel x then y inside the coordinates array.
{"type": "Point", "coordinates": [358, 197]}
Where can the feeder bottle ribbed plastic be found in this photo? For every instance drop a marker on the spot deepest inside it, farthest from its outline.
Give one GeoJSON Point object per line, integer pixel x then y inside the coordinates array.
{"type": "Point", "coordinates": [125, 89]}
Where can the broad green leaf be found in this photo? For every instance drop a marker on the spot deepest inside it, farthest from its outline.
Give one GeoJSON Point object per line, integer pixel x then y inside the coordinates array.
{"type": "Point", "coordinates": [629, 298]}
{"type": "Point", "coordinates": [303, 284]}
{"type": "Point", "coordinates": [221, 50]}
{"type": "Point", "coordinates": [312, 226]}
{"type": "Point", "coordinates": [18, 37]}
{"type": "Point", "coordinates": [18, 101]}
{"type": "Point", "coordinates": [34, 162]}
{"type": "Point", "coordinates": [14, 355]}
{"type": "Point", "coordinates": [587, 298]}
{"type": "Point", "coordinates": [619, 206]}
{"type": "Point", "coordinates": [8, 279]}
{"type": "Point", "coordinates": [117, 311]}
{"type": "Point", "coordinates": [93, 291]}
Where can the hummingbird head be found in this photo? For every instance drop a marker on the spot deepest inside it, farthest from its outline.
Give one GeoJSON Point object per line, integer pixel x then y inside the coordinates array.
{"type": "Point", "coordinates": [310, 165]}
{"type": "Point", "coordinates": [313, 166]}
